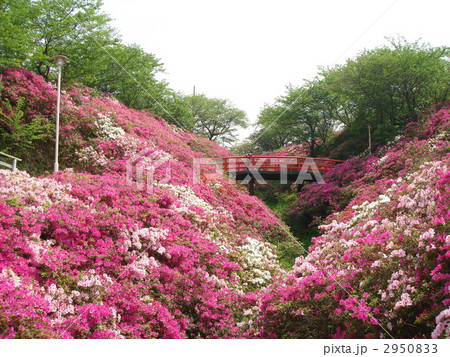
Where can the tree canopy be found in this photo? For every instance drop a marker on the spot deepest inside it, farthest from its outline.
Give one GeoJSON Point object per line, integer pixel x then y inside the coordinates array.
{"type": "Point", "coordinates": [304, 114]}
{"type": "Point", "coordinates": [216, 119]}
{"type": "Point", "coordinates": [386, 88]}
{"type": "Point", "coordinates": [32, 32]}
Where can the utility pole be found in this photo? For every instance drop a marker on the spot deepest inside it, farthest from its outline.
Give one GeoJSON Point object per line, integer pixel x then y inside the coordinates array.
{"type": "Point", "coordinates": [370, 140]}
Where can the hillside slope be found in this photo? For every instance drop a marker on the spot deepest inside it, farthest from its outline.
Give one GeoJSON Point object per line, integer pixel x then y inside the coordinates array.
{"type": "Point", "coordinates": [381, 267]}
{"type": "Point", "coordinates": [84, 253]}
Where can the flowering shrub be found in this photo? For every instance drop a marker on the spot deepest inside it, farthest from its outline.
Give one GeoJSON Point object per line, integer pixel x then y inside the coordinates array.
{"type": "Point", "coordinates": [381, 266]}
{"type": "Point", "coordinates": [301, 149]}
{"type": "Point", "coordinates": [106, 130]}
{"type": "Point", "coordinates": [83, 254]}
{"type": "Point", "coordinates": [75, 240]}
{"type": "Point", "coordinates": [428, 140]}
{"type": "Point", "coordinates": [86, 253]}
{"type": "Point", "coordinates": [315, 202]}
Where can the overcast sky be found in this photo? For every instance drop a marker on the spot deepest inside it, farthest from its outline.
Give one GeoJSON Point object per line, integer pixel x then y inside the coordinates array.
{"type": "Point", "coordinates": [247, 51]}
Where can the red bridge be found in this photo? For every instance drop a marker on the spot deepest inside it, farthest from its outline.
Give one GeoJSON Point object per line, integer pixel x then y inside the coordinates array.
{"type": "Point", "coordinates": [256, 168]}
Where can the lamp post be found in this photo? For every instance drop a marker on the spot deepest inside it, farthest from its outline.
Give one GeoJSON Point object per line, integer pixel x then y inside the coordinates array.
{"type": "Point", "coordinates": [60, 60]}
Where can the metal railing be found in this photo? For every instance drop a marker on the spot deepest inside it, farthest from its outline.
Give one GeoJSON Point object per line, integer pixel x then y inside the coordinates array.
{"type": "Point", "coordinates": [12, 166]}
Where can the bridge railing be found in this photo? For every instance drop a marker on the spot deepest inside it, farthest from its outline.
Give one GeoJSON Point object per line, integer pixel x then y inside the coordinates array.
{"type": "Point", "coordinates": [276, 163]}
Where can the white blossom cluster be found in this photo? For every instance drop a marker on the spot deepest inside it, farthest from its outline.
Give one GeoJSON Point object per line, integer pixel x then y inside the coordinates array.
{"type": "Point", "coordinates": [442, 324]}
{"type": "Point", "coordinates": [93, 279]}
{"type": "Point", "coordinates": [382, 160]}
{"type": "Point", "coordinates": [9, 274]}
{"type": "Point", "coordinates": [139, 243]}
{"type": "Point", "coordinates": [129, 144]}
{"type": "Point", "coordinates": [106, 129]}
{"type": "Point", "coordinates": [147, 238]}
{"type": "Point", "coordinates": [142, 264]}
{"type": "Point", "coordinates": [188, 197]}
{"type": "Point", "coordinates": [303, 267]}
{"type": "Point", "coordinates": [90, 156]}
{"type": "Point", "coordinates": [366, 209]}
{"type": "Point", "coordinates": [59, 302]}
{"type": "Point", "coordinates": [42, 192]}
{"type": "Point", "coordinates": [38, 246]}
{"type": "Point", "coordinates": [433, 142]}
{"type": "Point", "coordinates": [259, 260]}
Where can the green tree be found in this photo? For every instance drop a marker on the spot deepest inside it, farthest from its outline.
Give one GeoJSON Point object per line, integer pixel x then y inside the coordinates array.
{"type": "Point", "coordinates": [15, 32]}
{"type": "Point", "coordinates": [311, 113]}
{"type": "Point", "coordinates": [216, 119]}
{"type": "Point", "coordinates": [175, 109]}
{"type": "Point", "coordinates": [32, 32]}
{"type": "Point", "coordinates": [305, 114]}
{"type": "Point", "coordinates": [76, 28]}
{"type": "Point", "coordinates": [390, 86]}
{"type": "Point", "coordinates": [128, 73]}
{"type": "Point", "coordinates": [17, 135]}
{"type": "Point", "coordinates": [270, 133]}
{"type": "Point", "coordinates": [270, 138]}
{"type": "Point", "coordinates": [243, 148]}
{"type": "Point", "coordinates": [386, 88]}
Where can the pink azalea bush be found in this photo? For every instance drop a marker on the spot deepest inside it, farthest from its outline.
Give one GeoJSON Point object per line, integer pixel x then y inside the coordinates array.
{"type": "Point", "coordinates": [381, 266]}
{"type": "Point", "coordinates": [91, 253]}
{"type": "Point", "coordinates": [301, 149]}
{"type": "Point", "coordinates": [318, 201]}
{"type": "Point", "coordinates": [86, 254]}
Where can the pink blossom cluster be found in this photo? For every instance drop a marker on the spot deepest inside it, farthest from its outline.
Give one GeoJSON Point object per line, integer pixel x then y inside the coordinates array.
{"type": "Point", "coordinates": [86, 254]}
{"type": "Point", "coordinates": [301, 149]}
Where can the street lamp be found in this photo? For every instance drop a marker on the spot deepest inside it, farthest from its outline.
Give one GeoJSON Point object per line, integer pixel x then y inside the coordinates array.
{"type": "Point", "coordinates": [59, 62]}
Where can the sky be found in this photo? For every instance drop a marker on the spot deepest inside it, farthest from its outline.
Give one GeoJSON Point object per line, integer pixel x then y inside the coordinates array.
{"type": "Point", "coordinates": [248, 51]}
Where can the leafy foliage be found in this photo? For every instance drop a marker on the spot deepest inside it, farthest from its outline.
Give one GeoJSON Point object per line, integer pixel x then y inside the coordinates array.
{"type": "Point", "coordinates": [15, 32]}
{"type": "Point", "coordinates": [389, 87]}
{"type": "Point", "coordinates": [304, 114]}
{"type": "Point", "coordinates": [216, 119]}
{"type": "Point", "coordinates": [386, 88]}
{"type": "Point", "coordinates": [19, 137]}
{"type": "Point", "coordinates": [97, 57]}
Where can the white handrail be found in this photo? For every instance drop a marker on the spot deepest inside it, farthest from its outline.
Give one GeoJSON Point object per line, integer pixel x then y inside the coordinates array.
{"type": "Point", "coordinates": [14, 164]}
